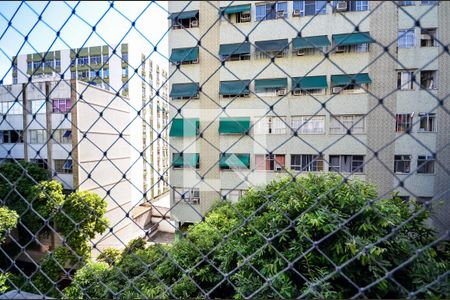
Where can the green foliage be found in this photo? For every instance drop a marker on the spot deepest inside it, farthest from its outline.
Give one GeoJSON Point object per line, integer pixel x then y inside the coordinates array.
{"type": "Point", "coordinates": [82, 217]}
{"type": "Point", "coordinates": [110, 256]}
{"type": "Point", "coordinates": [285, 240]}
{"type": "Point", "coordinates": [91, 276]}
{"type": "Point", "coordinates": [8, 220]}
{"type": "Point", "coordinates": [17, 181]}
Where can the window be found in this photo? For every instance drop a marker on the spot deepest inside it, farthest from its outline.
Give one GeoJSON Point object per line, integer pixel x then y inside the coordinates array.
{"type": "Point", "coordinates": [105, 59]}
{"type": "Point", "coordinates": [427, 37]}
{"type": "Point", "coordinates": [232, 195]}
{"type": "Point", "coordinates": [270, 162]}
{"type": "Point", "coordinates": [358, 5]}
{"type": "Point", "coordinates": [83, 61]}
{"type": "Point", "coordinates": [124, 57]}
{"type": "Point", "coordinates": [105, 73]}
{"type": "Point", "coordinates": [96, 60]}
{"type": "Point", "coordinates": [178, 23]}
{"type": "Point", "coordinates": [402, 164]}
{"type": "Point", "coordinates": [187, 195]}
{"type": "Point", "coordinates": [270, 125]}
{"type": "Point", "coordinates": [49, 64]}
{"type": "Point", "coordinates": [403, 122]}
{"type": "Point", "coordinates": [407, 3]}
{"type": "Point", "coordinates": [358, 48]}
{"type": "Point", "coordinates": [83, 74]}
{"type": "Point", "coordinates": [40, 162]}
{"type": "Point", "coordinates": [57, 63]}
{"type": "Point", "coordinates": [235, 57]}
{"type": "Point", "coordinates": [62, 136]}
{"type": "Point", "coordinates": [61, 105]}
{"type": "Point", "coordinates": [11, 108]}
{"type": "Point", "coordinates": [425, 164]}
{"type": "Point", "coordinates": [29, 65]}
{"type": "Point", "coordinates": [351, 89]}
{"type": "Point", "coordinates": [309, 8]}
{"type": "Point", "coordinates": [125, 72]}
{"type": "Point", "coordinates": [405, 80]}
{"type": "Point", "coordinates": [270, 11]}
{"type": "Point", "coordinates": [63, 166]}
{"type": "Point", "coordinates": [427, 122]}
{"type": "Point", "coordinates": [429, 2]}
{"type": "Point", "coordinates": [340, 124]}
{"type": "Point", "coordinates": [11, 136]}
{"type": "Point", "coordinates": [306, 162]}
{"type": "Point", "coordinates": [428, 80]}
{"type": "Point", "coordinates": [406, 38]}
{"type": "Point", "coordinates": [308, 124]}
{"type": "Point", "coordinates": [36, 64]}
{"type": "Point", "coordinates": [347, 163]}
{"type": "Point", "coordinates": [37, 136]}
{"type": "Point", "coordinates": [38, 107]}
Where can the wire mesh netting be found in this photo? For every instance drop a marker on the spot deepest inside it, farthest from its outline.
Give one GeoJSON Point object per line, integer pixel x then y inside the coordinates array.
{"type": "Point", "coordinates": [225, 149]}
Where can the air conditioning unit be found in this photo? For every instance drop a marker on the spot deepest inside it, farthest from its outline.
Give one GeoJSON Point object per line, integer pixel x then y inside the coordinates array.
{"type": "Point", "coordinates": [300, 52]}
{"type": "Point", "coordinates": [194, 23]}
{"type": "Point", "coordinates": [296, 13]}
{"type": "Point", "coordinates": [297, 92]}
{"type": "Point", "coordinates": [281, 92]}
{"type": "Point", "coordinates": [336, 90]}
{"type": "Point", "coordinates": [196, 96]}
{"type": "Point", "coordinates": [194, 61]}
{"type": "Point", "coordinates": [341, 49]}
{"type": "Point", "coordinates": [245, 17]}
{"type": "Point", "coordinates": [280, 14]}
{"type": "Point", "coordinates": [341, 5]}
{"type": "Point", "coordinates": [176, 26]}
{"type": "Point", "coordinates": [195, 200]}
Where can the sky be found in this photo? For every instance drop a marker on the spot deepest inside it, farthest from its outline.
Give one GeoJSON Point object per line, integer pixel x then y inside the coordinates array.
{"type": "Point", "coordinates": [29, 27]}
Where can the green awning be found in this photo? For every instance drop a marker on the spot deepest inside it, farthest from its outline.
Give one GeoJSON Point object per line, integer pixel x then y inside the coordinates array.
{"type": "Point", "coordinates": [231, 49]}
{"type": "Point", "coordinates": [189, 160]}
{"type": "Point", "coordinates": [234, 160]}
{"type": "Point", "coordinates": [38, 57]}
{"type": "Point", "coordinates": [310, 42]}
{"type": "Point", "coordinates": [83, 52]}
{"type": "Point", "coordinates": [274, 45]}
{"type": "Point", "coordinates": [276, 83]}
{"type": "Point", "coordinates": [343, 80]}
{"type": "Point", "coordinates": [180, 90]}
{"type": "Point", "coordinates": [184, 15]}
{"type": "Point", "coordinates": [236, 87]}
{"type": "Point", "coordinates": [309, 82]}
{"type": "Point", "coordinates": [236, 9]}
{"type": "Point", "coordinates": [236, 125]}
{"type": "Point", "coordinates": [184, 54]}
{"type": "Point", "coordinates": [184, 127]}
{"type": "Point", "coordinates": [95, 50]}
{"type": "Point", "coordinates": [352, 38]}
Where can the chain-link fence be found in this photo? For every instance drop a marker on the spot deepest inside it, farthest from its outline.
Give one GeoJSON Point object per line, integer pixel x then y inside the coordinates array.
{"type": "Point", "coordinates": [225, 149]}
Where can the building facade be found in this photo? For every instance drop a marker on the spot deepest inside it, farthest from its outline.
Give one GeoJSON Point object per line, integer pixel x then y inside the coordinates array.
{"type": "Point", "coordinates": [80, 136]}
{"type": "Point", "coordinates": [126, 70]}
{"type": "Point", "coordinates": [307, 86]}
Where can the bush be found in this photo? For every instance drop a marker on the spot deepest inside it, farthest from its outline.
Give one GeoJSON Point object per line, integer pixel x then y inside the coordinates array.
{"type": "Point", "coordinates": [286, 240]}
{"type": "Point", "coordinates": [8, 220]}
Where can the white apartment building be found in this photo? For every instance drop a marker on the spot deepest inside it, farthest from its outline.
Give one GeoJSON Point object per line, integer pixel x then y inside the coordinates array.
{"type": "Point", "coordinates": [80, 135]}
{"type": "Point", "coordinates": [125, 70]}
{"type": "Point", "coordinates": [308, 86]}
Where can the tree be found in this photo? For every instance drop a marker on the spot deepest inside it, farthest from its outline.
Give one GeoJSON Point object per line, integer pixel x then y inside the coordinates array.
{"type": "Point", "coordinates": [318, 236]}
{"type": "Point", "coordinates": [8, 220]}
{"type": "Point", "coordinates": [80, 219]}
{"type": "Point", "coordinates": [17, 181]}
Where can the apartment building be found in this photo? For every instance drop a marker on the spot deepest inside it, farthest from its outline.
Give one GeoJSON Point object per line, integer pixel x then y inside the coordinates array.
{"type": "Point", "coordinates": [307, 86]}
{"type": "Point", "coordinates": [80, 135]}
{"type": "Point", "coordinates": [126, 70]}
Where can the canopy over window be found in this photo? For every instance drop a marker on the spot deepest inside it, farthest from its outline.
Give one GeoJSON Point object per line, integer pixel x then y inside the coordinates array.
{"type": "Point", "coordinates": [309, 82]}
{"type": "Point", "coordinates": [236, 87]}
{"type": "Point", "coordinates": [236, 9]}
{"type": "Point", "coordinates": [184, 15]}
{"type": "Point", "coordinates": [352, 38]}
{"type": "Point", "coordinates": [180, 90]}
{"type": "Point", "coordinates": [234, 49]}
{"type": "Point", "coordinates": [310, 42]}
{"type": "Point", "coordinates": [190, 160]}
{"type": "Point", "coordinates": [276, 83]}
{"type": "Point", "coordinates": [343, 80]}
{"type": "Point", "coordinates": [184, 127]}
{"type": "Point", "coordinates": [236, 125]}
{"type": "Point", "coordinates": [274, 45]}
{"type": "Point", "coordinates": [184, 55]}
{"type": "Point", "coordinates": [234, 160]}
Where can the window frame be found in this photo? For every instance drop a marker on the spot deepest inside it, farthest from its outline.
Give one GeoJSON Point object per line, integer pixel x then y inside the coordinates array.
{"type": "Point", "coordinates": [430, 121]}
{"type": "Point", "coordinates": [402, 163]}
{"type": "Point", "coordinates": [404, 122]}
{"type": "Point", "coordinates": [433, 77]}
{"type": "Point", "coordinates": [304, 128]}
{"type": "Point", "coordinates": [315, 164]}
{"type": "Point", "coordinates": [37, 136]}
{"type": "Point", "coordinates": [61, 166]}
{"type": "Point", "coordinates": [337, 124]}
{"type": "Point", "coordinates": [272, 162]}
{"type": "Point", "coordinates": [356, 166]}
{"type": "Point", "coordinates": [403, 36]}
{"type": "Point", "coordinates": [193, 193]}
{"type": "Point", "coordinates": [425, 164]}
